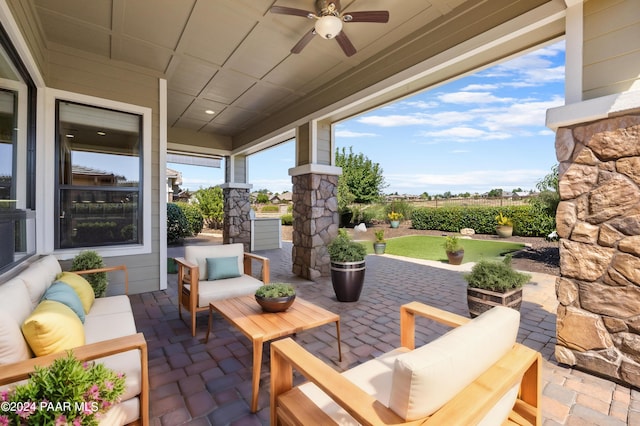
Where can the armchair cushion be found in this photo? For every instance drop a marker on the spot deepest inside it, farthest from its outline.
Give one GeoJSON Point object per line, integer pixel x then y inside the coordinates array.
{"type": "Point", "coordinates": [199, 255]}
{"type": "Point", "coordinates": [81, 286]}
{"type": "Point", "coordinates": [219, 268]}
{"type": "Point", "coordinates": [53, 327]}
{"type": "Point", "coordinates": [65, 294]}
{"type": "Point", "coordinates": [427, 377]}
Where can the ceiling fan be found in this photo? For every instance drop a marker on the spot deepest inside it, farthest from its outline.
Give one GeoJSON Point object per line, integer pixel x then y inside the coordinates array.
{"type": "Point", "coordinates": [329, 20]}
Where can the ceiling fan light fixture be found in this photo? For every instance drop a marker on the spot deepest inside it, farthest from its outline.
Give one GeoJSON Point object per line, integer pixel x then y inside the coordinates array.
{"type": "Point", "coordinates": [328, 26]}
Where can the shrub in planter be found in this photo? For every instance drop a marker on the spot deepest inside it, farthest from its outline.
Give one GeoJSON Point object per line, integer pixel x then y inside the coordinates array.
{"type": "Point", "coordinates": [194, 217]}
{"type": "Point", "coordinates": [454, 249]}
{"type": "Point", "coordinates": [347, 267]}
{"type": "Point", "coordinates": [90, 259]}
{"type": "Point", "coordinates": [177, 224]}
{"type": "Point", "coordinates": [492, 283]}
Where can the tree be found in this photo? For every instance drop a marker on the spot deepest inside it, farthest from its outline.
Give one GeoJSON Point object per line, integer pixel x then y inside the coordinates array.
{"type": "Point", "coordinates": [496, 192]}
{"type": "Point", "coordinates": [211, 204]}
{"type": "Point", "coordinates": [361, 180]}
{"type": "Point", "coordinates": [262, 198]}
{"type": "Point", "coordinates": [549, 196]}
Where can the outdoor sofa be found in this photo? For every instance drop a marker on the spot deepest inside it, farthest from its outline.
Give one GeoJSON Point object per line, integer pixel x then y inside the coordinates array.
{"type": "Point", "coordinates": [108, 334]}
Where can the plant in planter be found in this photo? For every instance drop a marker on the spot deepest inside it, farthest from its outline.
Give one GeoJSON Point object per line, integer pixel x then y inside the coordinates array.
{"type": "Point", "coordinates": [87, 260]}
{"type": "Point", "coordinates": [380, 244]}
{"type": "Point", "coordinates": [492, 283]}
{"type": "Point", "coordinates": [275, 297]}
{"type": "Point", "coordinates": [454, 249]}
{"type": "Point", "coordinates": [347, 267]}
{"type": "Point", "coordinates": [66, 392]}
{"type": "Point", "coordinates": [504, 228]}
{"type": "Point", "coordinates": [394, 219]}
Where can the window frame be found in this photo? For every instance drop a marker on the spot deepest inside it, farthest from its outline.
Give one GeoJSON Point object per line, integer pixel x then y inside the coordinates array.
{"type": "Point", "coordinates": [49, 186]}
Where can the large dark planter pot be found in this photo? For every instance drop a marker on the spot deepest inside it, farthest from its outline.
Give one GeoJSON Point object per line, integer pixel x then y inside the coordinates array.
{"type": "Point", "coordinates": [480, 300]}
{"type": "Point", "coordinates": [275, 304]}
{"type": "Point", "coordinates": [455, 257]}
{"type": "Point", "coordinates": [379, 248]}
{"type": "Point", "coordinates": [347, 279]}
{"type": "Point", "coordinates": [504, 231]}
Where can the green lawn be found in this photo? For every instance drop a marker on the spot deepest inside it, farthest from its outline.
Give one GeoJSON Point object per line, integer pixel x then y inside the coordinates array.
{"type": "Point", "coordinates": [430, 248]}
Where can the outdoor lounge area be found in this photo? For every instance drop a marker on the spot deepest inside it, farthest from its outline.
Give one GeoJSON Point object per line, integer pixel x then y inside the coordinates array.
{"type": "Point", "coordinates": [194, 382]}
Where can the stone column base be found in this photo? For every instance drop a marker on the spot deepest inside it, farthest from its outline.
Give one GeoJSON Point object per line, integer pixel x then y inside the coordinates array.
{"type": "Point", "coordinates": [315, 223]}
{"type": "Point", "coordinates": [237, 221]}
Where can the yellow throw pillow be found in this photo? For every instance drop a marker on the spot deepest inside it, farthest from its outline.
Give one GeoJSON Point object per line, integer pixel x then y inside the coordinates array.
{"type": "Point", "coordinates": [53, 327]}
{"type": "Point", "coordinates": [81, 286]}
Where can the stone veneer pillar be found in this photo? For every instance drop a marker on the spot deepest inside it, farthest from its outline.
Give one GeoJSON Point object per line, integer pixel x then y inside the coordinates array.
{"type": "Point", "coordinates": [237, 220]}
{"type": "Point", "coordinates": [598, 220]}
{"type": "Point", "coordinates": [315, 223]}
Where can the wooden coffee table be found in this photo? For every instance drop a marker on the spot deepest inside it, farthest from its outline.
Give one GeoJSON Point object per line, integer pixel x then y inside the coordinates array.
{"type": "Point", "coordinates": [247, 316]}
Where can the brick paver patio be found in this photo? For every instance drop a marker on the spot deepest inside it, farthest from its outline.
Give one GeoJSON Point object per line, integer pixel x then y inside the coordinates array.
{"type": "Point", "coordinates": [210, 384]}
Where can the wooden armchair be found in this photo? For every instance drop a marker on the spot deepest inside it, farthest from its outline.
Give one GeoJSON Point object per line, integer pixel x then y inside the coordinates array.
{"type": "Point", "coordinates": [379, 392]}
{"type": "Point", "coordinates": [198, 284]}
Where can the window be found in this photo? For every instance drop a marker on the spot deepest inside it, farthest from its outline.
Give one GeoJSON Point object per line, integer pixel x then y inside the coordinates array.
{"type": "Point", "coordinates": [17, 157]}
{"type": "Point", "coordinates": [99, 176]}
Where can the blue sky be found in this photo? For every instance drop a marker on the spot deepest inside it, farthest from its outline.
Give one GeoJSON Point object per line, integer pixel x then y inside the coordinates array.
{"type": "Point", "coordinates": [474, 134]}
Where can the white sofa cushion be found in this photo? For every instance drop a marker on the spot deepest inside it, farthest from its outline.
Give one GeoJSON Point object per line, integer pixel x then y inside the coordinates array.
{"type": "Point", "coordinates": [15, 299]}
{"type": "Point", "coordinates": [39, 276]}
{"type": "Point", "coordinates": [427, 377]}
{"type": "Point", "coordinates": [13, 346]}
{"type": "Point", "coordinates": [199, 255]}
{"type": "Point", "coordinates": [108, 326]}
{"type": "Point", "coordinates": [111, 305]}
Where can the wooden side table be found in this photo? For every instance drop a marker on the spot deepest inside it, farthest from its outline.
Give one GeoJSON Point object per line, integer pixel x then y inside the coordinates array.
{"type": "Point", "coordinates": [246, 315]}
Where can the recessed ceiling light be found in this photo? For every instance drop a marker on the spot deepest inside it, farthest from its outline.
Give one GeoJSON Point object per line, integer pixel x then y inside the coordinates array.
{"type": "Point", "coordinates": [210, 112]}
{"type": "Point", "coordinates": [102, 133]}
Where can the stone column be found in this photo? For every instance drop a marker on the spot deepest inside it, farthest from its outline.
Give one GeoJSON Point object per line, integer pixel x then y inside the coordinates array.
{"type": "Point", "coordinates": [315, 223]}
{"type": "Point", "coordinates": [598, 220]}
{"type": "Point", "coordinates": [237, 210]}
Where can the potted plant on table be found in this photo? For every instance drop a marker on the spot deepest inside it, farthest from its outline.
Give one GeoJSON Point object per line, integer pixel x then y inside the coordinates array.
{"type": "Point", "coordinates": [380, 244]}
{"type": "Point", "coordinates": [394, 219]}
{"type": "Point", "coordinates": [454, 249]}
{"type": "Point", "coordinates": [504, 229]}
{"type": "Point", "coordinates": [275, 297]}
{"type": "Point", "coordinates": [347, 267]}
{"type": "Point", "coordinates": [492, 283]}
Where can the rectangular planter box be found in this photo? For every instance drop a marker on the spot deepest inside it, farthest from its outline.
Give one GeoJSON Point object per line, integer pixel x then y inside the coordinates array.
{"type": "Point", "coordinates": [480, 300]}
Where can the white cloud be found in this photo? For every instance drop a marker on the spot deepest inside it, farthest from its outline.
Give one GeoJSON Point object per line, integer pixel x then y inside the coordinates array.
{"type": "Point", "coordinates": [445, 118]}
{"type": "Point", "coordinates": [463, 97]}
{"type": "Point", "coordinates": [464, 134]}
{"type": "Point", "coordinates": [476, 87]}
{"type": "Point", "coordinates": [520, 115]}
{"type": "Point", "coordinates": [351, 134]}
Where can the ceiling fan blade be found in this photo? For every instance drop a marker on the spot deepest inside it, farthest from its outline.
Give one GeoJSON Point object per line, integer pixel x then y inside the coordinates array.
{"type": "Point", "coordinates": [345, 44]}
{"type": "Point", "coordinates": [291, 11]}
{"type": "Point", "coordinates": [380, 16]}
{"type": "Point", "coordinates": [303, 42]}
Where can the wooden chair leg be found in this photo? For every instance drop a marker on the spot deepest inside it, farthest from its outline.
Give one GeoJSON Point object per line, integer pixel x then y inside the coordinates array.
{"type": "Point", "coordinates": [193, 323]}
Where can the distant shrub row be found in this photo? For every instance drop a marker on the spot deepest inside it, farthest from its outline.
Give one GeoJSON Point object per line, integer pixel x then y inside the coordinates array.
{"type": "Point", "coordinates": [527, 220]}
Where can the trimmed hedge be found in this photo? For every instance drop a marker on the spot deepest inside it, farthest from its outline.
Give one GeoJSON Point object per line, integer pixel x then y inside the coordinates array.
{"type": "Point", "coordinates": [193, 215]}
{"type": "Point", "coordinates": [527, 220]}
{"type": "Point", "coordinates": [286, 219]}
